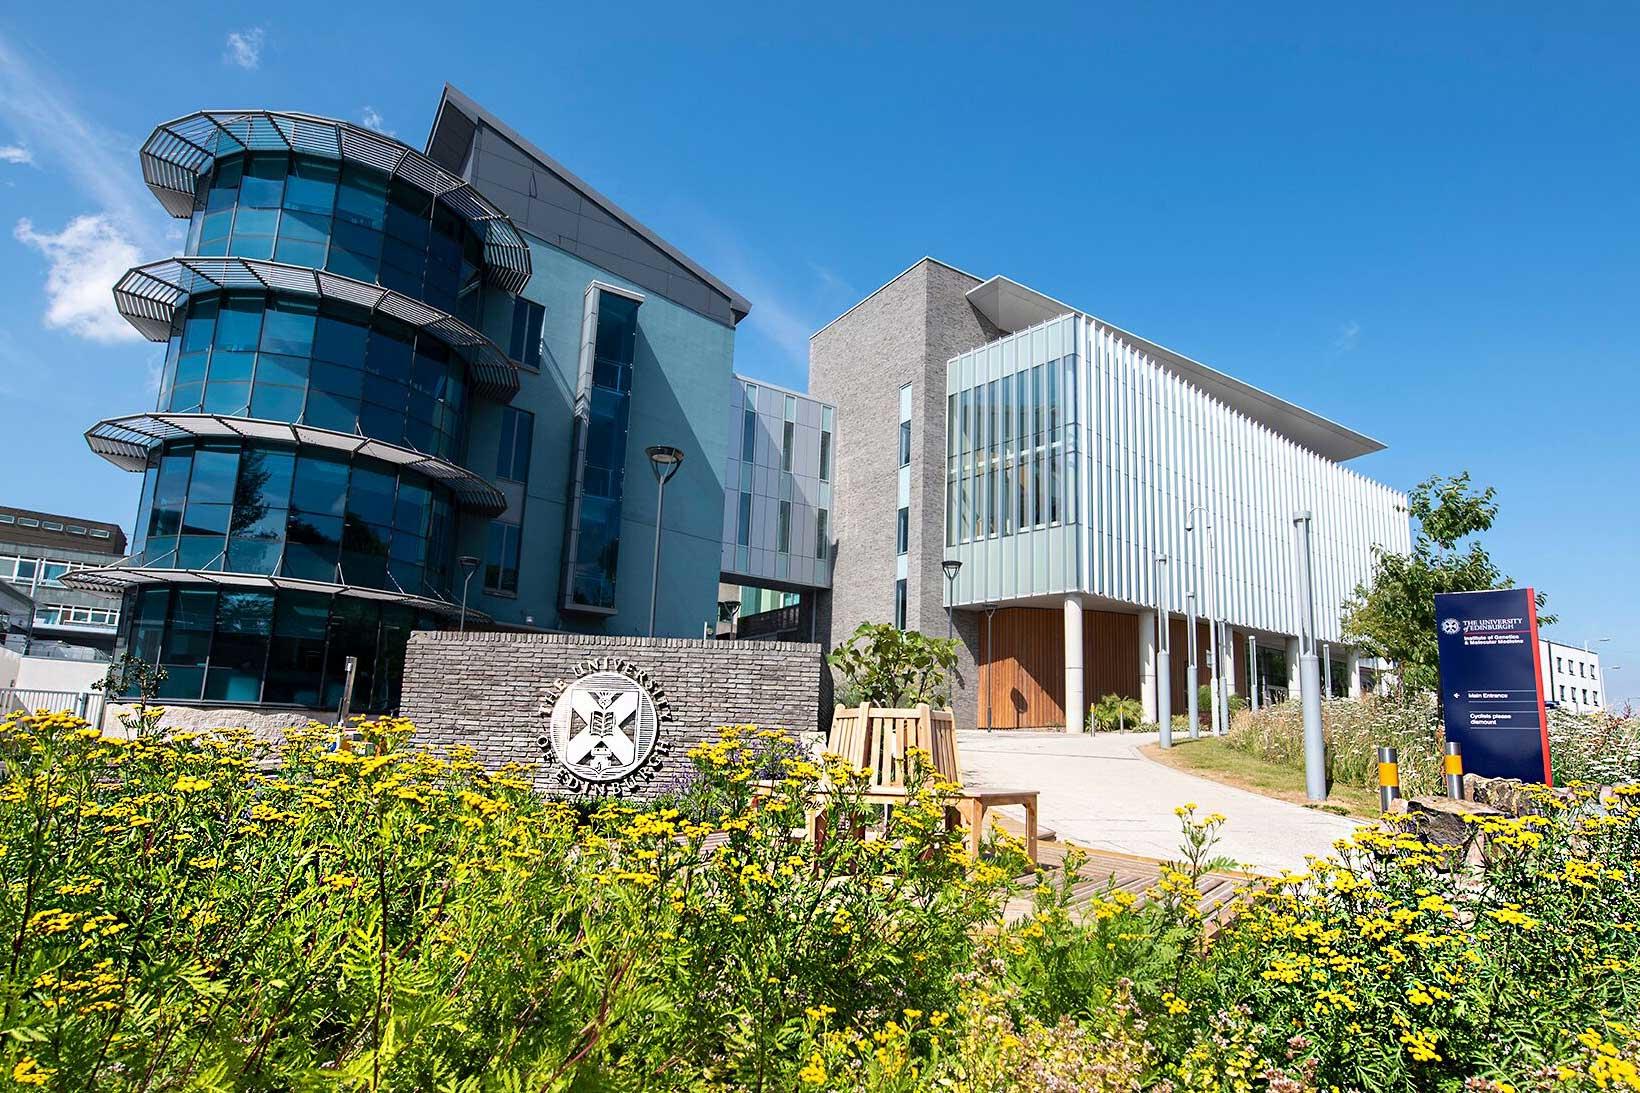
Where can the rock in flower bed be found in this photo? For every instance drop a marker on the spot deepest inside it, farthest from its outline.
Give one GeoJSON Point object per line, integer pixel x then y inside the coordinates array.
{"type": "Point", "coordinates": [205, 912]}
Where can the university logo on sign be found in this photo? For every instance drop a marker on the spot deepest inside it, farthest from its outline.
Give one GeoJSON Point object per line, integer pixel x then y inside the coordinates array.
{"type": "Point", "coordinates": [605, 728]}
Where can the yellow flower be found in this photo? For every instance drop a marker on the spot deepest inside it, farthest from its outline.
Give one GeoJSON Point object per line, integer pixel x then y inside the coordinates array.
{"type": "Point", "coordinates": [29, 1072]}
{"type": "Point", "coordinates": [190, 784]}
{"type": "Point", "coordinates": [814, 1071]}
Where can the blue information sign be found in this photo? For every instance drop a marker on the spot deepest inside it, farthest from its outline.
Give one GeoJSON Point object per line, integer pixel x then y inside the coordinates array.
{"type": "Point", "coordinates": [1491, 682]}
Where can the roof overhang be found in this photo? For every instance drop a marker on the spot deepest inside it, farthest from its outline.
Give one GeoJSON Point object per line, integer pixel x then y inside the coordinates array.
{"type": "Point", "coordinates": [150, 296]}
{"type": "Point", "coordinates": [178, 152]}
{"type": "Point", "coordinates": [120, 578]}
{"type": "Point", "coordinates": [1013, 307]}
{"type": "Point", "coordinates": [127, 442]}
{"type": "Point", "coordinates": [454, 102]}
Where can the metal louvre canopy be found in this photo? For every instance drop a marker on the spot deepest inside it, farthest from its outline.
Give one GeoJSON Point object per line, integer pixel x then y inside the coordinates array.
{"type": "Point", "coordinates": [149, 297]}
{"type": "Point", "coordinates": [127, 441]}
{"type": "Point", "coordinates": [121, 577]}
{"type": "Point", "coordinates": [178, 152]}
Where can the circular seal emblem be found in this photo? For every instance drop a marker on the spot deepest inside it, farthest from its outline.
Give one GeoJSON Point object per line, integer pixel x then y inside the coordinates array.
{"type": "Point", "coordinates": [604, 728]}
{"type": "Point", "coordinates": [1450, 626]}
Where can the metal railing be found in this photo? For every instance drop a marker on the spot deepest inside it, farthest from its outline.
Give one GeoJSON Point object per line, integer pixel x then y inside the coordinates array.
{"type": "Point", "coordinates": [83, 704]}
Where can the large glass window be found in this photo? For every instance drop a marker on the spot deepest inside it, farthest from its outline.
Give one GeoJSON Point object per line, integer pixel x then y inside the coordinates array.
{"type": "Point", "coordinates": [311, 514]}
{"type": "Point", "coordinates": [348, 218]}
{"type": "Point", "coordinates": [289, 648]}
{"type": "Point", "coordinates": [517, 427]}
{"type": "Point", "coordinates": [598, 504]}
{"type": "Point", "coordinates": [501, 558]}
{"type": "Point", "coordinates": [525, 344]}
{"type": "Point", "coordinates": [330, 365]}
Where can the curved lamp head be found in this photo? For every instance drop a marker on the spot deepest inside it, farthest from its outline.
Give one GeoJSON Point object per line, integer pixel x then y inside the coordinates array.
{"type": "Point", "coordinates": [467, 562]}
{"type": "Point", "coordinates": [664, 460]}
{"type": "Point", "coordinates": [951, 566]}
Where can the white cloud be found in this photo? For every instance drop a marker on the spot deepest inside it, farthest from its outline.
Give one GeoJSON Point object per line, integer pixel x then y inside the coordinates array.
{"type": "Point", "coordinates": [372, 119]}
{"type": "Point", "coordinates": [86, 257]}
{"type": "Point", "coordinates": [101, 164]}
{"type": "Point", "coordinates": [244, 48]}
{"type": "Point", "coordinates": [83, 262]}
{"type": "Point", "coordinates": [15, 153]}
{"type": "Point", "coordinates": [1349, 336]}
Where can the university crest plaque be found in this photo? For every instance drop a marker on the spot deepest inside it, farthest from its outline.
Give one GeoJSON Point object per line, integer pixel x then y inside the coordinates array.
{"type": "Point", "coordinates": [606, 728]}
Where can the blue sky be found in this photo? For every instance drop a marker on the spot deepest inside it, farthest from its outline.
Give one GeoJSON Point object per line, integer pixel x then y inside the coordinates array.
{"type": "Point", "coordinates": [1419, 222]}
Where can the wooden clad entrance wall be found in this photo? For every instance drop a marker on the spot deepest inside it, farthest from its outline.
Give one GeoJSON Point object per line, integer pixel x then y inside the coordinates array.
{"type": "Point", "coordinates": [1022, 682]}
{"type": "Point", "coordinates": [1179, 663]}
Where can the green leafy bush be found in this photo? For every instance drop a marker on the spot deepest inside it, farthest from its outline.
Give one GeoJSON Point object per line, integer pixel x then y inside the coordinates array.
{"type": "Point", "coordinates": [887, 666]}
{"type": "Point", "coordinates": [1115, 713]}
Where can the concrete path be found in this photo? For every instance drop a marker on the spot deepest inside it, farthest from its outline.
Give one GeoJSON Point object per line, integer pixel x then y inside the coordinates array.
{"type": "Point", "coordinates": [1098, 790]}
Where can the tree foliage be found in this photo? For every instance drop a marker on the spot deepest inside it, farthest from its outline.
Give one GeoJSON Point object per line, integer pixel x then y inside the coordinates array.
{"type": "Point", "coordinates": [1393, 614]}
{"type": "Point", "coordinates": [887, 666]}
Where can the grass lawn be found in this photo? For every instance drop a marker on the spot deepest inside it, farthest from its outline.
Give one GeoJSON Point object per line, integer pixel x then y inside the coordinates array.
{"type": "Point", "coordinates": [1210, 758]}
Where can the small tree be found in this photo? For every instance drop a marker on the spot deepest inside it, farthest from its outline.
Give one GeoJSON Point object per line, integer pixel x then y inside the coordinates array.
{"type": "Point", "coordinates": [1114, 712]}
{"type": "Point", "coordinates": [1392, 615]}
{"type": "Point", "coordinates": [887, 666]}
{"type": "Point", "coordinates": [132, 676]}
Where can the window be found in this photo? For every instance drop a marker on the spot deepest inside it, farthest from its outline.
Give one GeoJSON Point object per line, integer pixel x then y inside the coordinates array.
{"type": "Point", "coordinates": [1585, 696]}
{"type": "Point", "coordinates": [743, 535]}
{"type": "Point", "coordinates": [783, 530]}
{"type": "Point", "coordinates": [899, 604]}
{"type": "Point", "coordinates": [825, 455]}
{"type": "Point", "coordinates": [902, 530]}
{"type": "Point", "coordinates": [788, 437]}
{"type": "Point", "coordinates": [1560, 665]}
{"type": "Point", "coordinates": [821, 518]}
{"type": "Point", "coordinates": [905, 443]}
{"type": "Point", "coordinates": [526, 332]}
{"type": "Point", "coordinates": [513, 462]}
{"type": "Point", "coordinates": [501, 559]}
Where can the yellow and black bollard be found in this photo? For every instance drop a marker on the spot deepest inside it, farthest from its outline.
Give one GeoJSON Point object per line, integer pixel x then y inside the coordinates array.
{"type": "Point", "coordinates": [1389, 778]}
{"type": "Point", "coordinates": [1452, 767]}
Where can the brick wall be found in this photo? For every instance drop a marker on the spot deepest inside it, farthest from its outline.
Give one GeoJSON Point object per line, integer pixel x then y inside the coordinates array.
{"type": "Point", "coordinates": [488, 690]}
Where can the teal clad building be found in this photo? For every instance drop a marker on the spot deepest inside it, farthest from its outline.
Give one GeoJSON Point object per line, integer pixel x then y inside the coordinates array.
{"type": "Point", "coordinates": [406, 389]}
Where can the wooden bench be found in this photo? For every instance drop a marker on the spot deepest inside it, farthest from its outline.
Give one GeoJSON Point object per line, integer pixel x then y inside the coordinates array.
{"type": "Point", "coordinates": [880, 739]}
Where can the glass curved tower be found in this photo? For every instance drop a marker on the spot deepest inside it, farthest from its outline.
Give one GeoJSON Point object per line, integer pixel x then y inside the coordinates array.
{"type": "Point", "coordinates": [304, 469]}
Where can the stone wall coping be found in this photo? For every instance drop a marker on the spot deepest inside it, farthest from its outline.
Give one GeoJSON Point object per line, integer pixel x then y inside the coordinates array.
{"type": "Point", "coordinates": [424, 637]}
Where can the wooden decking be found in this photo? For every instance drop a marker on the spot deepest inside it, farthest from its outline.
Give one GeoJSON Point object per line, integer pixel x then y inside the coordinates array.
{"type": "Point", "coordinates": [1105, 870]}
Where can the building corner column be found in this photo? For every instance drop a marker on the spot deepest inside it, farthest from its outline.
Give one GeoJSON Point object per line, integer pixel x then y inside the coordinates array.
{"type": "Point", "coordinates": [1292, 668]}
{"type": "Point", "coordinates": [1076, 709]}
{"type": "Point", "coordinates": [1147, 664]}
{"type": "Point", "coordinates": [1352, 665]}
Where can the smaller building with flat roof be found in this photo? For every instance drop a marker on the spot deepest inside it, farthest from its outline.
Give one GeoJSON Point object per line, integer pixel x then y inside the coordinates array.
{"type": "Point", "coordinates": [39, 615]}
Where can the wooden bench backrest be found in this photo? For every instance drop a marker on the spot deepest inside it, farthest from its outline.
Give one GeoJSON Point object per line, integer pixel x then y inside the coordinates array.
{"type": "Point", "coordinates": [879, 739]}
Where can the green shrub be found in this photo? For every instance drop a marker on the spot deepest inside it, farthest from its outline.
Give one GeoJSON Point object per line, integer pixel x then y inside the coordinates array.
{"type": "Point", "coordinates": [887, 666]}
{"type": "Point", "coordinates": [1114, 713]}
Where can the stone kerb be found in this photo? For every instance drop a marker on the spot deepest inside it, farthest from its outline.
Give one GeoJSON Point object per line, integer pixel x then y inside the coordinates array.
{"type": "Point", "coordinates": [601, 715]}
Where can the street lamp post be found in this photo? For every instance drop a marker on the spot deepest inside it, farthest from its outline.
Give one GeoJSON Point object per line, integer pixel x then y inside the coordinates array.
{"type": "Point", "coordinates": [1309, 671]}
{"type": "Point", "coordinates": [1164, 666]}
{"type": "Point", "coordinates": [952, 567]}
{"type": "Point", "coordinates": [664, 461]}
{"type": "Point", "coordinates": [1191, 677]}
{"type": "Point", "coordinates": [729, 609]}
{"type": "Point", "coordinates": [1215, 693]}
{"type": "Point", "coordinates": [470, 564]}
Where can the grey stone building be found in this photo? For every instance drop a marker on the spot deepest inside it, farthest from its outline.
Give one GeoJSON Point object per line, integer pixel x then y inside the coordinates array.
{"type": "Point", "coordinates": [42, 616]}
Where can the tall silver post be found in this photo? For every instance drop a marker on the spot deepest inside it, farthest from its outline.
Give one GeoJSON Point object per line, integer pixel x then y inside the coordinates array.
{"type": "Point", "coordinates": [1216, 694]}
{"type": "Point", "coordinates": [1252, 673]}
{"type": "Point", "coordinates": [1191, 683]}
{"type": "Point", "coordinates": [655, 569]}
{"type": "Point", "coordinates": [1164, 666]}
{"type": "Point", "coordinates": [1309, 669]}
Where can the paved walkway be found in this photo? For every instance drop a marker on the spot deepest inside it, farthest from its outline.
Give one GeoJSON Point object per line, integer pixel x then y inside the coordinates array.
{"type": "Point", "coordinates": [1098, 790]}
